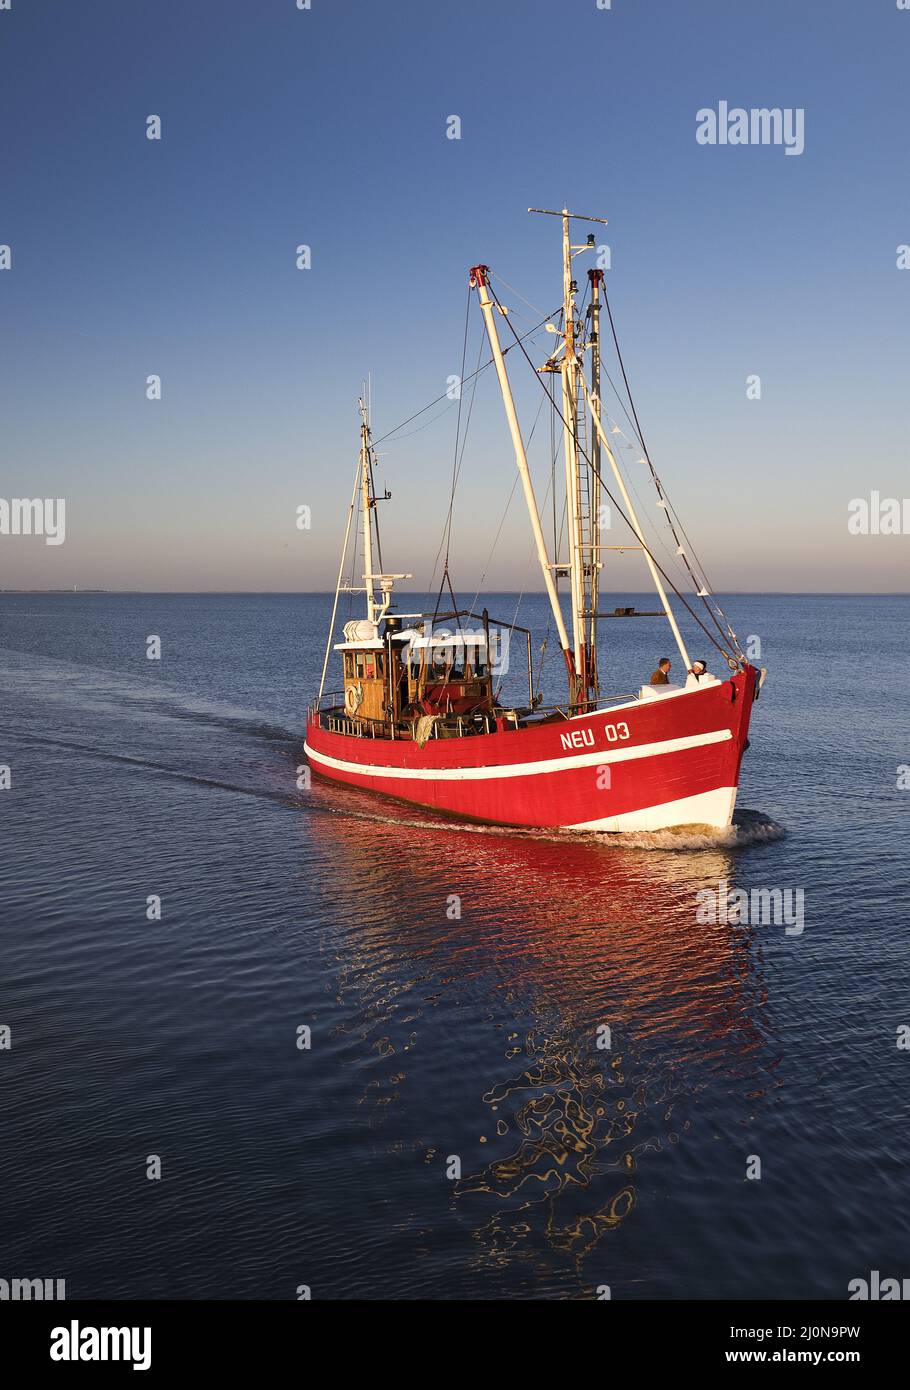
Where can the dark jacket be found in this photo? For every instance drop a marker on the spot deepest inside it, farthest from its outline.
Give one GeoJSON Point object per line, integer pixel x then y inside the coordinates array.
{"type": "Point", "coordinates": [660, 677]}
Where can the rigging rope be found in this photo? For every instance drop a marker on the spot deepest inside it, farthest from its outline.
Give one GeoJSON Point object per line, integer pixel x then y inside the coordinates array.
{"type": "Point", "coordinates": [464, 353]}
{"type": "Point", "coordinates": [447, 529]}
{"type": "Point", "coordinates": [374, 519]}
{"type": "Point", "coordinates": [464, 445]}
{"type": "Point", "coordinates": [489, 362]}
{"type": "Point", "coordinates": [473, 378]}
{"type": "Point", "coordinates": [662, 494]}
{"type": "Point", "coordinates": [502, 523]}
{"type": "Point", "coordinates": [596, 471]}
{"type": "Point", "coordinates": [671, 559]}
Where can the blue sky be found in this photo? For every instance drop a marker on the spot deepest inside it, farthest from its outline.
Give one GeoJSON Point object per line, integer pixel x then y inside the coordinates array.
{"type": "Point", "coordinates": [328, 127]}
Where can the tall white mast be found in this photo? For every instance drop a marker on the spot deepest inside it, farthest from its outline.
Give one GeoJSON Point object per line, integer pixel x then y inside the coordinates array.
{"type": "Point", "coordinates": [479, 274]}
{"type": "Point", "coordinates": [595, 278]}
{"type": "Point", "coordinates": [583, 549]}
{"type": "Point", "coordinates": [570, 446]}
{"type": "Point", "coordinates": [366, 503]}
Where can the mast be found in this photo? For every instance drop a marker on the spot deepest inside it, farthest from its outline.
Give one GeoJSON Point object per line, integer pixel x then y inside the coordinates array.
{"type": "Point", "coordinates": [376, 609]}
{"type": "Point", "coordinates": [479, 274]}
{"type": "Point", "coordinates": [584, 570]}
{"type": "Point", "coordinates": [366, 504]}
{"type": "Point", "coordinates": [595, 278]}
{"type": "Point", "coordinates": [582, 518]}
{"type": "Point", "coordinates": [570, 446]}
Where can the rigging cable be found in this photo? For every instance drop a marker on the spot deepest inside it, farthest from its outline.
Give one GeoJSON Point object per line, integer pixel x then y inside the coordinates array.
{"type": "Point", "coordinates": [447, 530]}
{"type": "Point", "coordinates": [445, 395]}
{"type": "Point", "coordinates": [464, 445]}
{"type": "Point", "coordinates": [661, 492]}
{"type": "Point", "coordinates": [502, 522]}
{"type": "Point", "coordinates": [374, 520]}
{"type": "Point", "coordinates": [530, 556]}
{"type": "Point", "coordinates": [682, 598]}
{"type": "Point", "coordinates": [671, 559]}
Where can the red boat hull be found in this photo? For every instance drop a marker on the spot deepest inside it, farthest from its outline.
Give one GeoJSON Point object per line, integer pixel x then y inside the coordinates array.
{"type": "Point", "coordinates": [643, 765]}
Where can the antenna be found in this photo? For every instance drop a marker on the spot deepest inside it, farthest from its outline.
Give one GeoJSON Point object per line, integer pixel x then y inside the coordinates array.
{"type": "Point", "coordinates": [578, 216]}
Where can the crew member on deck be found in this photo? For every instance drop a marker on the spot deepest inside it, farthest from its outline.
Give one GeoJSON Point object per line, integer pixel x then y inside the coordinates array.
{"type": "Point", "coordinates": [699, 669]}
{"type": "Point", "coordinates": [662, 675]}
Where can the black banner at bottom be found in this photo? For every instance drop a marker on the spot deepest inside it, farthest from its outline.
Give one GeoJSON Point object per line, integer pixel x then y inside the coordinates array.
{"type": "Point", "coordinates": [237, 1338]}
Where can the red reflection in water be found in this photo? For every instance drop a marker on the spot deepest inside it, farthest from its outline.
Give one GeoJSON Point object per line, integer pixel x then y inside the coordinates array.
{"type": "Point", "coordinates": [622, 1002]}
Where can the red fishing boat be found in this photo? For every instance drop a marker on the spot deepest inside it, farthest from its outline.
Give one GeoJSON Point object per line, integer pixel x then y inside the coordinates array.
{"type": "Point", "coordinates": [422, 715]}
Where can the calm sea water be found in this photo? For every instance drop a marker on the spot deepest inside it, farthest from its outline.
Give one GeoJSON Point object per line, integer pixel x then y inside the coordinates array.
{"type": "Point", "coordinates": [435, 1037]}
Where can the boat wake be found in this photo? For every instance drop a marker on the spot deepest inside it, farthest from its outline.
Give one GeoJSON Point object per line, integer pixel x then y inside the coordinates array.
{"type": "Point", "coordinates": [94, 689]}
{"type": "Point", "coordinates": [748, 828]}
{"type": "Point", "coordinates": [166, 769]}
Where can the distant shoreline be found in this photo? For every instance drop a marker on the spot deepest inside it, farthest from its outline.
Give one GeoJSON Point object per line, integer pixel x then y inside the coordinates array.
{"type": "Point", "coordinates": [408, 593]}
{"type": "Point", "coordinates": [71, 591]}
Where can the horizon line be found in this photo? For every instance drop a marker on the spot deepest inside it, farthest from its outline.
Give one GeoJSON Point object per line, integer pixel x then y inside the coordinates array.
{"type": "Point", "coordinates": [528, 593]}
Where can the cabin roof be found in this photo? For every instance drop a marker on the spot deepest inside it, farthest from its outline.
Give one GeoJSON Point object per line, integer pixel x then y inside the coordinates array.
{"type": "Point", "coordinates": [415, 639]}
{"type": "Point", "coordinates": [455, 639]}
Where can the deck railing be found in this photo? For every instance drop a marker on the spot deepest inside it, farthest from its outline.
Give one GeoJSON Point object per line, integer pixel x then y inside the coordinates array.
{"type": "Point", "coordinates": [331, 715]}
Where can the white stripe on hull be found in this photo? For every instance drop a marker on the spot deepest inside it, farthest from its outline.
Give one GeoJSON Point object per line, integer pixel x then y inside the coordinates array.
{"type": "Point", "coordinates": [530, 769]}
{"type": "Point", "coordinates": [713, 808]}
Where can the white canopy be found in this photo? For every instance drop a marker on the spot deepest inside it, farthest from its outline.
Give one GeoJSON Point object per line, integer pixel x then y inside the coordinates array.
{"type": "Point", "coordinates": [438, 639]}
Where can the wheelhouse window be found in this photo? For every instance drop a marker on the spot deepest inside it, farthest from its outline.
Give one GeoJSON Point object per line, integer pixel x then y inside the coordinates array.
{"type": "Point", "coordinates": [364, 665]}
